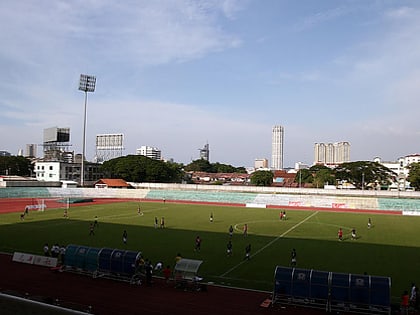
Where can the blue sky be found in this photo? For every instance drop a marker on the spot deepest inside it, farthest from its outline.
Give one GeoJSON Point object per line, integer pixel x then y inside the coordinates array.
{"type": "Point", "coordinates": [176, 74]}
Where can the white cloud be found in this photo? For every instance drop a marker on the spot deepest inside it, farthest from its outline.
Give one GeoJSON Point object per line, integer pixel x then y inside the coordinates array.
{"type": "Point", "coordinates": [309, 22]}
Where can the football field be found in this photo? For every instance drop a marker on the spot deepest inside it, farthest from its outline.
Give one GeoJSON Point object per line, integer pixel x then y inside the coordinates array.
{"type": "Point", "coordinates": [390, 247]}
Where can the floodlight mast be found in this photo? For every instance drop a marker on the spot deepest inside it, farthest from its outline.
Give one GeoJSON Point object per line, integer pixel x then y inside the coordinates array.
{"type": "Point", "coordinates": [87, 84]}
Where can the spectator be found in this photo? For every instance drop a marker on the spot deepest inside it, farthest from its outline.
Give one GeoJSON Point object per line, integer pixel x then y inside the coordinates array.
{"type": "Point", "coordinates": [404, 303]}
{"type": "Point", "coordinates": [293, 258]}
{"type": "Point", "coordinates": [62, 253]}
{"type": "Point", "coordinates": [178, 257]}
{"type": "Point", "coordinates": [149, 271]}
{"type": "Point", "coordinates": [413, 294]}
{"type": "Point", "coordinates": [46, 250]}
{"type": "Point", "coordinates": [167, 273]}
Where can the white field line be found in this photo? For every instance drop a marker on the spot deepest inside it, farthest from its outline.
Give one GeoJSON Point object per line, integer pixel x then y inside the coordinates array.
{"type": "Point", "coordinates": [270, 243]}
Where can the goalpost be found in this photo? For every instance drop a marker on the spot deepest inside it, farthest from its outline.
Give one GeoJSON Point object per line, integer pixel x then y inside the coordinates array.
{"type": "Point", "coordinates": [42, 204]}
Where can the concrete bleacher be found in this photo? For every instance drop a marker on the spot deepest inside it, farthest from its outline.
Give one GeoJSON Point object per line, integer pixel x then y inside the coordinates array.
{"type": "Point", "coordinates": [202, 196]}
{"type": "Point", "coordinates": [406, 202]}
{"type": "Point", "coordinates": [26, 192]}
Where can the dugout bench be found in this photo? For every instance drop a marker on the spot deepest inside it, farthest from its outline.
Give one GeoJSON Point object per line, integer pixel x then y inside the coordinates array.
{"type": "Point", "coordinates": [186, 275]}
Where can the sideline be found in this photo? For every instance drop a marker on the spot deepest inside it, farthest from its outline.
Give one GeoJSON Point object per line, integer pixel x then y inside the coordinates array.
{"type": "Point", "coordinates": [270, 243]}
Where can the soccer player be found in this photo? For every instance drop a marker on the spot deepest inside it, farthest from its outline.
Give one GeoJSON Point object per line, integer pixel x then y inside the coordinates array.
{"type": "Point", "coordinates": [340, 234]}
{"type": "Point", "coordinates": [353, 234]}
{"type": "Point", "coordinates": [197, 243]}
{"type": "Point", "coordinates": [248, 252]}
{"type": "Point", "coordinates": [231, 231]}
{"type": "Point", "coordinates": [91, 229]}
{"type": "Point", "coordinates": [211, 217]}
{"type": "Point", "coordinates": [293, 258]}
{"type": "Point", "coordinates": [124, 237]}
{"type": "Point", "coordinates": [369, 223]}
{"type": "Point", "coordinates": [229, 248]}
{"type": "Point", "coordinates": [245, 229]}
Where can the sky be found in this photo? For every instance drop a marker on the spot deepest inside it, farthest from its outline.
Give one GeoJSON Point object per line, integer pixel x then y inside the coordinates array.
{"type": "Point", "coordinates": [177, 74]}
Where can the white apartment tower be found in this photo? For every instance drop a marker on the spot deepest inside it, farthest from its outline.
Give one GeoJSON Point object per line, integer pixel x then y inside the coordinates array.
{"type": "Point", "coordinates": [277, 141]}
{"type": "Point", "coordinates": [332, 153]}
{"type": "Point", "coordinates": [150, 152]}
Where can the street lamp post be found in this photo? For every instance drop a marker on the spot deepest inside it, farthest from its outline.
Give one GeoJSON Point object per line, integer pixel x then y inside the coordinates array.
{"type": "Point", "coordinates": [87, 84]}
{"type": "Point", "coordinates": [300, 178]}
{"type": "Point", "coordinates": [363, 181]}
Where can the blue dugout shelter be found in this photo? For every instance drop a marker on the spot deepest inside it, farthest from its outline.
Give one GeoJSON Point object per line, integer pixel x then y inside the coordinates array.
{"type": "Point", "coordinates": [331, 291]}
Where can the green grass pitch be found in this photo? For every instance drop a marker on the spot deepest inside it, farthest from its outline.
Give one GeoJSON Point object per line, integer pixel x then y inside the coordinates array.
{"type": "Point", "coordinates": [391, 247]}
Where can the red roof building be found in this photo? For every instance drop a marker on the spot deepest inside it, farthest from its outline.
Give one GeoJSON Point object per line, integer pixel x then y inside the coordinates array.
{"type": "Point", "coordinates": [111, 183]}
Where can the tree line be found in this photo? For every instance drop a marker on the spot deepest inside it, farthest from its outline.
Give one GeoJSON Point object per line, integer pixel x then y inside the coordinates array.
{"type": "Point", "coordinates": [138, 168]}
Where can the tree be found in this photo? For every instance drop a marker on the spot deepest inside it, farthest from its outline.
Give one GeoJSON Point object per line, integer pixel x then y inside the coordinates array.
{"type": "Point", "coordinates": [138, 168]}
{"type": "Point", "coordinates": [304, 176]}
{"type": "Point", "coordinates": [414, 175]}
{"type": "Point", "coordinates": [262, 178]}
{"type": "Point", "coordinates": [323, 177]}
{"type": "Point", "coordinates": [364, 173]}
{"type": "Point", "coordinates": [15, 165]}
{"type": "Point", "coordinates": [224, 168]}
{"type": "Point", "coordinates": [202, 165]}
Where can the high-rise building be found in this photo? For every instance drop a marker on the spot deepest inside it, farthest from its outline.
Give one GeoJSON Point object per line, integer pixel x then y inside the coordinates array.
{"type": "Point", "coordinates": [150, 152]}
{"type": "Point", "coordinates": [277, 148]}
{"type": "Point", "coordinates": [205, 153]}
{"type": "Point", "coordinates": [31, 150]}
{"type": "Point", "coordinates": [332, 153]}
{"type": "Point", "coordinates": [260, 163]}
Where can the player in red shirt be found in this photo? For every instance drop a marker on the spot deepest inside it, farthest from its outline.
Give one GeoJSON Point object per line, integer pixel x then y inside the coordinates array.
{"type": "Point", "coordinates": [340, 234]}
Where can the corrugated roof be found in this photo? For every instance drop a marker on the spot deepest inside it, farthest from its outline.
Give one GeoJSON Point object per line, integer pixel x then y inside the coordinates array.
{"type": "Point", "coordinates": [113, 182]}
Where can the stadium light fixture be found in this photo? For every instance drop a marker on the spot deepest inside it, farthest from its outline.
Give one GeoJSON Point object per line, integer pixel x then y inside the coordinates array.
{"type": "Point", "coordinates": [87, 84]}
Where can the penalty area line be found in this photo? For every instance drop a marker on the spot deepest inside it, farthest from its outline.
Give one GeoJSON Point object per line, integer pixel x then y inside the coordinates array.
{"type": "Point", "coordinates": [270, 243]}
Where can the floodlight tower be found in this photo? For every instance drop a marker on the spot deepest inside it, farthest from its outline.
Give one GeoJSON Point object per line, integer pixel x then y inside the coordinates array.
{"type": "Point", "coordinates": [87, 84]}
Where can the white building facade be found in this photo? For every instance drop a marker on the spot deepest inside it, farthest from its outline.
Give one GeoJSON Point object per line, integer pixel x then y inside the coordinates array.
{"type": "Point", "coordinates": [277, 142]}
{"type": "Point", "coordinates": [150, 152]}
{"type": "Point", "coordinates": [401, 168]}
{"type": "Point", "coordinates": [332, 154]}
{"type": "Point", "coordinates": [56, 171]}
{"type": "Point", "coordinates": [261, 163]}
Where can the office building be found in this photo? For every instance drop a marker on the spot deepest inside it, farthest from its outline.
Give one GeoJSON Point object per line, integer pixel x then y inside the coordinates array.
{"type": "Point", "coordinates": [205, 153]}
{"type": "Point", "coordinates": [260, 163]}
{"type": "Point", "coordinates": [31, 150]}
{"type": "Point", "coordinates": [150, 152]}
{"type": "Point", "coordinates": [277, 148]}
